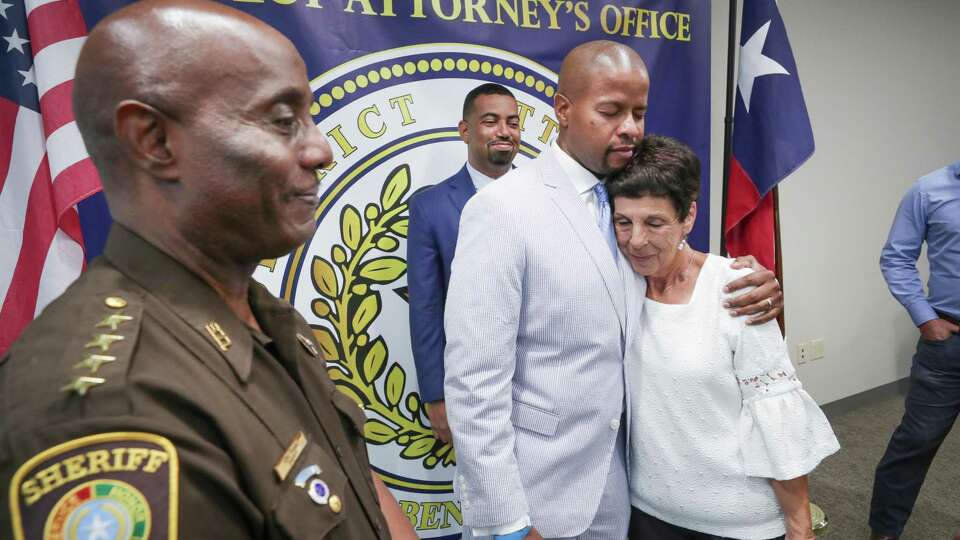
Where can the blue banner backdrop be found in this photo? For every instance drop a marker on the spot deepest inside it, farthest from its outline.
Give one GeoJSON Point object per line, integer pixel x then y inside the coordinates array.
{"type": "Point", "coordinates": [389, 78]}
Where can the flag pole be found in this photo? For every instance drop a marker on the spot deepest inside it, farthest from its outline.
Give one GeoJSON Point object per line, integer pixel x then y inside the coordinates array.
{"type": "Point", "coordinates": [728, 121]}
{"type": "Point", "coordinates": [778, 253]}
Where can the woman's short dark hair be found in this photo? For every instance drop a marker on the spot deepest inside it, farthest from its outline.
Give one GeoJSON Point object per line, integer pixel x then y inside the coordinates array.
{"type": "Point", "coordinates": [661, 167]}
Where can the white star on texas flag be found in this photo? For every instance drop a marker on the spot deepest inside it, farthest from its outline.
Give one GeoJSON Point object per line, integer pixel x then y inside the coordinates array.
{"type": "Point", "coordinates": [754, 64]}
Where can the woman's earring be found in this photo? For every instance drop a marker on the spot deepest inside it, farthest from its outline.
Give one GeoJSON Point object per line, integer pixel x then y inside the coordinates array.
{"type": "Point", "coordinates": [683, 242]}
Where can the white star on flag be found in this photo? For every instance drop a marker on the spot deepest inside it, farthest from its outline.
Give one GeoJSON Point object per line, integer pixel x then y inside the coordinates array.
{"type": "Point", "coordinates": [100, 528]}
{"type": "Point", "coordinates": [28, 77]}
{"type": "Point", "coordinates": [754, 64]}
{"type": "Point", "coordinates": [14, 41]}
{"type": "Point", "coordinates": [3, 8]}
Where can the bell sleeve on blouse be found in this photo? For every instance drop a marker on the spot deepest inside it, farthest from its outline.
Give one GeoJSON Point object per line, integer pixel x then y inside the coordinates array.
{"type": "Point", "coordinates": [783, 433]}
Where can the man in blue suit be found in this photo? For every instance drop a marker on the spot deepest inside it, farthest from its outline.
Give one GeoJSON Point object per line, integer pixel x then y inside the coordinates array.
{"type": "Point", "coordinates": [491, 129]}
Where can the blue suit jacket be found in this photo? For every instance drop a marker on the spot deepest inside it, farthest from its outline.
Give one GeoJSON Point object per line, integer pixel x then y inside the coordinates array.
{"type": "Point", "coordinates": [431, 242]}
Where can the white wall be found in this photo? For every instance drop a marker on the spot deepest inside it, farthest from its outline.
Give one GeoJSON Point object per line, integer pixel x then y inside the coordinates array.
{"type": "Point", "coordinates": [882, 85]}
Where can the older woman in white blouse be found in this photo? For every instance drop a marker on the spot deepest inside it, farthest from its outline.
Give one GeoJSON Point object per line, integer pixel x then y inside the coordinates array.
{"type": "Point", "coordinates": [722, 433]}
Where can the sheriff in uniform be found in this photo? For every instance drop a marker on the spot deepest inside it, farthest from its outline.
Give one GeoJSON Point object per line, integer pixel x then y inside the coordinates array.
{"type": "Point", "coordinates": [166, 394]}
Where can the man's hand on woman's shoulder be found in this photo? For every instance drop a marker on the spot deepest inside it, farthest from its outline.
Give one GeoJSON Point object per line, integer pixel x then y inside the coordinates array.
{"type": "Point", "coordinates": [764, 302]}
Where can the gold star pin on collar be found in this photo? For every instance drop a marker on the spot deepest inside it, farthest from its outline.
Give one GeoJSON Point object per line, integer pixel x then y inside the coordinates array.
{"type": "Point", "coordinates": [94, 361]}
{"type": "Point", "coordinates": [103, 341]}
{"type": "Point", "coordinates": [113, 320]}
{"type": "Point", "coordinates": [81, 385]}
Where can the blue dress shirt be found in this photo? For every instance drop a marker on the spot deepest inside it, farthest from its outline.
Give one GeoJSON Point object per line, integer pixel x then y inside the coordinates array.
{"type": "Point", "coordinates": [929, 212]}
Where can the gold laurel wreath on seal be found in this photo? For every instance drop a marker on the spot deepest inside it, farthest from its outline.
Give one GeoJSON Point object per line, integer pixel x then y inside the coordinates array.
{"type": "Point", "coordinates": [359, 365]}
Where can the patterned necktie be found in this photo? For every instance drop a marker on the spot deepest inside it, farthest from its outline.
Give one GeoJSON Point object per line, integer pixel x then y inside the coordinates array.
{"type": "Point", "coordinates": [603, 217]}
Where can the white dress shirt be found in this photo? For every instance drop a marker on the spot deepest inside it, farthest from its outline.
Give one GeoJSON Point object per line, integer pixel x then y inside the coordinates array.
{"type": "Point", "coordinates": [479, 179]}
{"type": "Point", "coordinates": [582, 179]}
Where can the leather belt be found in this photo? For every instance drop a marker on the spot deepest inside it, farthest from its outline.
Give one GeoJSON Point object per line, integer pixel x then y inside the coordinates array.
{"type": "Point", "coordinates": [947, 318]}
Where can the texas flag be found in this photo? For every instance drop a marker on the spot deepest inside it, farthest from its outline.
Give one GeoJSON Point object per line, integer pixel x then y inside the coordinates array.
{"type": "Point", "coordinates": [771, 135]}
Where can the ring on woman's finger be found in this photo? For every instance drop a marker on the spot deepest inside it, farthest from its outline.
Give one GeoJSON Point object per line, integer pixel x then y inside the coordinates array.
{"type": "Point", "coordinates": [769, 304]}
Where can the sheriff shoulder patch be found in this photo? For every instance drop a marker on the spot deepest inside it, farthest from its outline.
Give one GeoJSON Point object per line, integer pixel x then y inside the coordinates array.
{"type": "Point", "coordinates": [108, 485]}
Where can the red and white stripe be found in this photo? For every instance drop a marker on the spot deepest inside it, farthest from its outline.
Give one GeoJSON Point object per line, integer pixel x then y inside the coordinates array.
{"type": "Point", "coordinates": [49, 172]}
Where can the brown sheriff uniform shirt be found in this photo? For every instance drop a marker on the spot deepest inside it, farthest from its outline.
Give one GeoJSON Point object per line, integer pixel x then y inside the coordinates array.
{"type": "Point", "coordinates": [139, 402]}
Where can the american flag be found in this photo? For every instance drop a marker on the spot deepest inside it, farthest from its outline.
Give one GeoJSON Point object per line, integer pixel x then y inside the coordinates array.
{"type": "Point", "coordinates": [44, 167]}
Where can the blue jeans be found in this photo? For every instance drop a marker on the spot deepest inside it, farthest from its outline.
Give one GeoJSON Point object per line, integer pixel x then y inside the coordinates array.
{"type": "Point", "coordinates": [932, 404]}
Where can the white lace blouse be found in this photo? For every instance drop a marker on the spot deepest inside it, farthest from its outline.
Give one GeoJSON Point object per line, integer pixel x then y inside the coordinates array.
{"type": "Point", "coordinates": [717, 411]}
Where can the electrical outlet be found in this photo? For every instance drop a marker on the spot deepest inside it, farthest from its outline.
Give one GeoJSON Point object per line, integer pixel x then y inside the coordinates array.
{"type": "Point", "coordinates": [803, 353]}
{"type": "Point", "coordinates": [816, 349]}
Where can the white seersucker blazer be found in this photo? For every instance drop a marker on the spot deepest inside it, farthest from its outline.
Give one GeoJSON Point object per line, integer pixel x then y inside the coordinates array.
{"type": "Point", "coordinates": [537, 314]}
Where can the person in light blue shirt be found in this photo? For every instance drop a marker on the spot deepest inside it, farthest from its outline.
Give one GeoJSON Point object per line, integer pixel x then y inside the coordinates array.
{"type": "Point", "coordinates": [929, 212]}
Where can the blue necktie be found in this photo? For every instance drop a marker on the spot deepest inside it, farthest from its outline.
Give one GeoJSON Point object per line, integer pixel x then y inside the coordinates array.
{"type": "Point", "coordinates": [603, 217]}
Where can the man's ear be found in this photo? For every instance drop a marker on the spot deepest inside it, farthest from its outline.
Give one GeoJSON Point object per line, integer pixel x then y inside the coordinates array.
{"type": "Point", "coordinates": [144, 135]}
{"type": "Point", "coordinates": [462, 127]}
{"type": "Point", "coordinates": [561, 107]}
